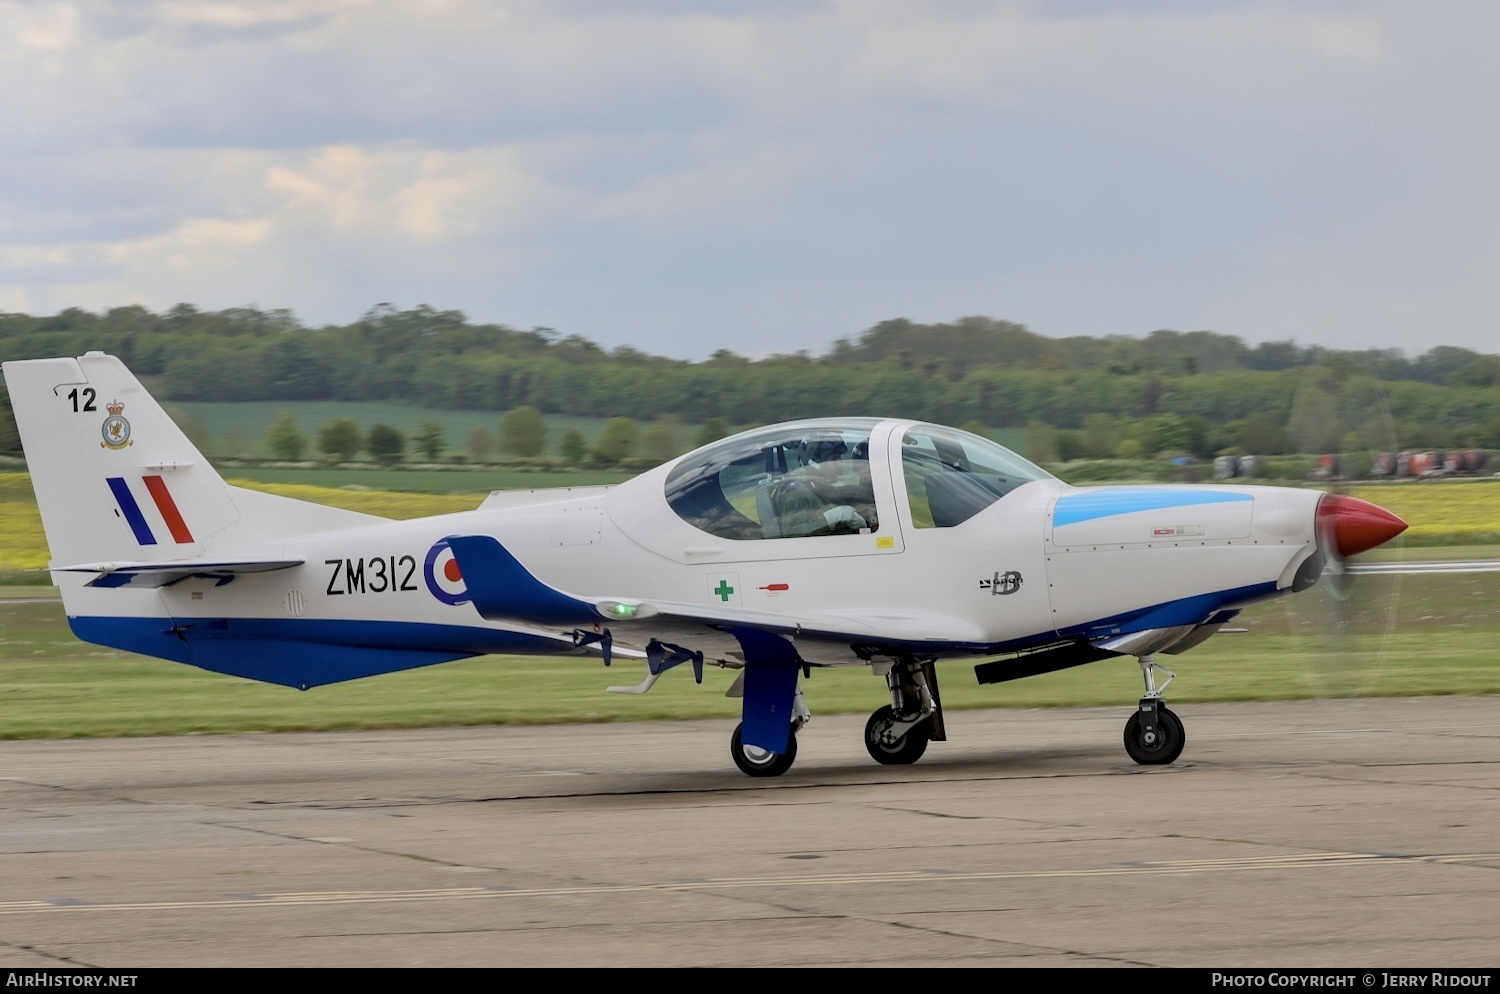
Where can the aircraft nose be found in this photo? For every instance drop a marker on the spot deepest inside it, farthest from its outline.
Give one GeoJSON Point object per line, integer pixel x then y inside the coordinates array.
{"type": "Point", "coordinates": [1352, 526]}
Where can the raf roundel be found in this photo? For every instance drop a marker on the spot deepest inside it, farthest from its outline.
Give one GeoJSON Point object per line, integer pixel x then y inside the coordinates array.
{"type": "Point", "coordinates": [442, 574]}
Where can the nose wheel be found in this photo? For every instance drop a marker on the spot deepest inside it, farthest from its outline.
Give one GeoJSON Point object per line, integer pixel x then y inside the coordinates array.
{"type": "Point", "coordinates": [1154, 740]}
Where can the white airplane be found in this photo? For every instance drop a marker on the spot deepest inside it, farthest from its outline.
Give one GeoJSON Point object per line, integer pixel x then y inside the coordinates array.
{"type": "Point", "coordinates": [881, 543]}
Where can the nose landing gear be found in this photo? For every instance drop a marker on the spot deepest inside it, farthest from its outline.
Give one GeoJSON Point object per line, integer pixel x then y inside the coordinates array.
{"type": "Point", "coordinates": [1154, 735]}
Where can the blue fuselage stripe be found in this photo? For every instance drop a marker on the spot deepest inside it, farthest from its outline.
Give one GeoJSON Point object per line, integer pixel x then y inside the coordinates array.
{"type": "Point", "coordinates": [1073, 508]}
{"type": "Point", "coordinates": [1170, 614]}
{"type": "Point", "coordinates": [303, 652]}
{"type": "Point", "coordinates": [132, 510]}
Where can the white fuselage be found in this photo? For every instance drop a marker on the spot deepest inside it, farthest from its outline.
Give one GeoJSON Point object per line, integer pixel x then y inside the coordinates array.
{"type": "Point", "coordinates": [1044, 562]}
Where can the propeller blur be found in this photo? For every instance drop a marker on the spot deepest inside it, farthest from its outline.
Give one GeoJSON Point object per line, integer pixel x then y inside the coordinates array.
{"type": "Point", "coordinates": [879, 543]}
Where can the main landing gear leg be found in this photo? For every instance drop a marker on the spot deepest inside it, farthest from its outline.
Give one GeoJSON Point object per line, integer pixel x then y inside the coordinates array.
{"type": "Point", "coordinates": [1154, 735]}
{"type": "Point", "coordinates": [897, 734]}
{"type": "Point", "coordinates": [764, 743]}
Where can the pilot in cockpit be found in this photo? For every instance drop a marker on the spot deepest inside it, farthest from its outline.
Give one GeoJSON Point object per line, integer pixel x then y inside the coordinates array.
{"type": "Point", "coordinates": [830, 493]}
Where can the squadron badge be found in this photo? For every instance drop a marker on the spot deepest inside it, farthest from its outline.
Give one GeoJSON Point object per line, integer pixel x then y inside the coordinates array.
{"type": "Point", "coordinates": [116, 430]}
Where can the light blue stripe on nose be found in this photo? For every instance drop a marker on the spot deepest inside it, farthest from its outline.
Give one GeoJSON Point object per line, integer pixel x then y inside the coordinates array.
{"type": "Point", "coordinates": [1086, 506]}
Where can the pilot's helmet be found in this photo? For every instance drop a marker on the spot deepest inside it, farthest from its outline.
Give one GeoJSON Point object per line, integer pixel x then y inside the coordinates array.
{"type": "Point", "coordinates": [823, 449]}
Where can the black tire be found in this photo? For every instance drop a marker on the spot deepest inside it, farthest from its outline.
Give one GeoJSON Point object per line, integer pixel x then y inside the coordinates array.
{"type": "Point", "coordinates": [904, 752]}
{"type": "Point", "coordinates": [1168, 746]}
{"type": "Point", "coordinates": [757, 762]}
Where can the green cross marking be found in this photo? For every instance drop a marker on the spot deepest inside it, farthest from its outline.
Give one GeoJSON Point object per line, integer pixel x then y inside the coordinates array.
{"type": "Point", "coordinates": [723, 590]}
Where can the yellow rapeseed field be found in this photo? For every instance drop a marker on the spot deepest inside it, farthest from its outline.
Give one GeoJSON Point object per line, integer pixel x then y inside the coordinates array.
{"type": "Point", "coordinates": [1439, 512]}
{"type": "Point", "coordinates": [21, 543]}
{"type": "Point", "coordinates": [386, 503]}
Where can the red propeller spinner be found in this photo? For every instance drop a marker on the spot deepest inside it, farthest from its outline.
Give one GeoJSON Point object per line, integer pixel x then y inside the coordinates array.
{"type": "Point", "coordinates": [1350, 526]}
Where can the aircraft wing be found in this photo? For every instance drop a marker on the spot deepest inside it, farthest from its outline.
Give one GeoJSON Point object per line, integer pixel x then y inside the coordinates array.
{"type": "Point", "coordinates": [503, 589]}
{"type": "Point", "coordinates": [886, 626]}
{"type": "Point", "coordinates": [161, 572]}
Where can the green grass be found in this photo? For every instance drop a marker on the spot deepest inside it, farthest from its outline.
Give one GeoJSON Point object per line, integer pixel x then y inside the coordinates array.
{"type": "Point", "coordinates": [1441, 642]}
{"type": "Point", "coordinates": [30, 591]}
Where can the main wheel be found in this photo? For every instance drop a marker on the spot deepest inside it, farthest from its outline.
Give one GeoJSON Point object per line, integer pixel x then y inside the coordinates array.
{"type": "Point", "coordinates": [1164, 748]}
{"type": "Point", "coordinates": [754, 761]}
{"type": "Point", "coordinates": [904, 751]}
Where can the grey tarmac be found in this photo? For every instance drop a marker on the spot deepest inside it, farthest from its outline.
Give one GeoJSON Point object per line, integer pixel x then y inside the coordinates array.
{"type": "Point", "coordinates": [1358, 833]}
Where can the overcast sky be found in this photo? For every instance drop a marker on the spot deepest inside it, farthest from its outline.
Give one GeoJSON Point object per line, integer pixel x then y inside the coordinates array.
{"type": "Point", "coordinates": [764, 177]}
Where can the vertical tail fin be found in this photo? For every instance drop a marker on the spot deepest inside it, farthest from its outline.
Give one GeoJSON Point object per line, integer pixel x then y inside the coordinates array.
{"type": "Point", "coordinates": [115, 478]}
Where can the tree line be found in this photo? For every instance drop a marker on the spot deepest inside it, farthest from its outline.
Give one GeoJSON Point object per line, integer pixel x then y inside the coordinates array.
{"type": "Point", "coordinates": [523, 437]}
{"type": "Point", "coordinates": [1196, 391]}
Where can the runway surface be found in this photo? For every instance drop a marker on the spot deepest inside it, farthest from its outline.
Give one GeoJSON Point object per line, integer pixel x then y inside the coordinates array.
{"type": "Point", "coordinates": [1343, 833]}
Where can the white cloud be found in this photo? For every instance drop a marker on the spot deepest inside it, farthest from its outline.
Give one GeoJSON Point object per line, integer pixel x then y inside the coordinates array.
{"type": "Point", "coordinates": [221, 13]}
{"type": "Point", "coordinates": [342, 221]}
{"type": "Point", "coordinates": [1356, 39]}
{"type": "Point", "coordinates": [15, 300]}
{"type": "Point", "coordinates": [191, 244]}
{"type": "Point", "coordinates": [43, 27]}
{"type": "Point", "coordinates": [35, 256]}
{"type": "Point", "coordinates": [427, 196]}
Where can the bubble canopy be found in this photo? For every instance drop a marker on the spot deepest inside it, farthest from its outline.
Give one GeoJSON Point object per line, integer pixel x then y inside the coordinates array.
{"type": "Point", "coordinates": [815, 478]}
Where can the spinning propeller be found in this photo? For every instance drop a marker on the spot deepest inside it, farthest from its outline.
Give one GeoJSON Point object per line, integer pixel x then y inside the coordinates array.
{"type": "Point", "coordinates": [1343, 626]}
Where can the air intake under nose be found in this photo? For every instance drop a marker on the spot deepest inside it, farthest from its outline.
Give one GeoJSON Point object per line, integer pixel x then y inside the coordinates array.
{"type": "Point", "coordinates": [1348, 526]}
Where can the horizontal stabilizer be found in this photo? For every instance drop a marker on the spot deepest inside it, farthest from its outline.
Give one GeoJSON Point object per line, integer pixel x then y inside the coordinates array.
{"type": "Point", "coordinates": [160, 573]}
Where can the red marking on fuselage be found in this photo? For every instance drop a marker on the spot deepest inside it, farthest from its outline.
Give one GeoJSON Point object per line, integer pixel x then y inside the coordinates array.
{"type": "Point", "coordinates": [451, 571]}
{"type": "Point", "coordinates": [777, 586]}
{"type": "Point", "coordinates": [168, 508]}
